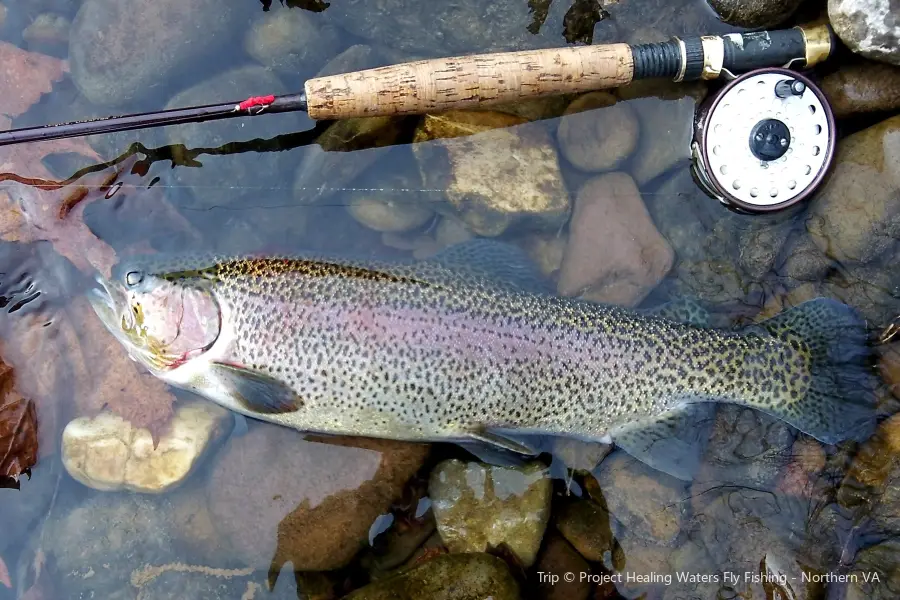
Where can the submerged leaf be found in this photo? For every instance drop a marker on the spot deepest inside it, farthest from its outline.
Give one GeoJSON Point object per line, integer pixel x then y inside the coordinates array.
{"type": "Point", "coordinates": [4, 574]}
{"type": "Point", "coordinates": [18, 431]}
{"type": "Point", "coordinates": [82, 359]}
{"type": "Point", "coordinates": [24, 78]}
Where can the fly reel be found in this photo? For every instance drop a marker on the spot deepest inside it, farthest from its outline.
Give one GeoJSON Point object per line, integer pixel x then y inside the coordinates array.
{"type": "Point", "coordinates": [764, 142]}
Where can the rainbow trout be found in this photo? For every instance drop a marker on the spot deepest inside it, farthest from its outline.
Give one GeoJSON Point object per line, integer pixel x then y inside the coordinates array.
{"type": "Point", "coordinates": [470, 346]}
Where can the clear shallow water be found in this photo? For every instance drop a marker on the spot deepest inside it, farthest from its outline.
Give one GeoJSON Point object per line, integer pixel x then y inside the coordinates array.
{"type": "Point", "coordinates": [762, 495]}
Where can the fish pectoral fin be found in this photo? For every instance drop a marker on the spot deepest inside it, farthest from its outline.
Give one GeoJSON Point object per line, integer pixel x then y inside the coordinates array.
{"type": "Point", "coordinates": [256, 392]}
{"type": "Point", "coordinates": [673, 442]}
{"type": "Point", "coordinates": [504, 441]}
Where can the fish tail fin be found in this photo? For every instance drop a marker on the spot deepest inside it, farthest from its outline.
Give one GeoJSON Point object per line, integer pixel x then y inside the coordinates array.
{"type": "Point", "coordinates": [840, 399]}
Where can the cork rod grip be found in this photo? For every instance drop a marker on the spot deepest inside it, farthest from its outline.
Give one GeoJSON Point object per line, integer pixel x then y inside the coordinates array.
{"type": "Point", "coordinates": [468, 81]}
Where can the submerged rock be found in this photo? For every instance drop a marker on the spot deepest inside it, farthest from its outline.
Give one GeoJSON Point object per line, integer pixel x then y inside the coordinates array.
{"type": "Point", "coordinates": [480, 506]}
{"type": "Point", "coordinates": [868, 27]}
{"type": "Point", "coordinates": [349, 146]}
{"type": "Point", "coordinates": [319, 516]}
{"type": "Point", "coordinates": [876, 572]}
{"type": "Point", "coordinates": [182, 580]}
{"type": "Point", "coordinates": [437, 28]}
{"type": "Point", "coordinates": [107, 453]}
{"type": "Point", "coordinates": [292, 41]}
{"type": "Point", "coordinates": [872, 485]}
{"type": "Point", "coordinates": [558, 557]}
{"type": "Point", "coordinates": [133, 52]}
{"type": "Point", "coordinates": [648, 504]}
{"type": "Point", "coordinates": [862, 88]}
{"type": "Point", "coordinates": [47, 32]}
{"type": "Point", "coordinates": [755, 13]}
{"type": "Point", "coordinates": [747, 447]}
{"type": "Point", "coordinates": [496, 170]}
{"type": "Point", "coordinates": [446, 577]}
{"type": "Point", "coordinates": [244, 174]}
{"type": "Point", "coordinates": [547, 251]}
{"type": "Point", "coordinates": [610, 220]}
{"type": "Point", "coordinates": [596, 133]}
{"type": "Point", "coordinates": [721, 256]}
{"type": "Point", "coordinates": [394, 202]}
{"type": "Point", "coordinates": [855, 216]}
{"type": "Point", "coordinates": [586, 525]}
{"type": "Point", "coordinates": [666, 112]}
{"type": "Point", "coordinates": [751, 532]}
{"type": "Point", "coordinates": [96, 546]}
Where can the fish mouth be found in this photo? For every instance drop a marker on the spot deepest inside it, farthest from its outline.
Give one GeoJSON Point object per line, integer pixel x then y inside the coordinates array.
{"type": "Point", "coordinates": [107, 302]}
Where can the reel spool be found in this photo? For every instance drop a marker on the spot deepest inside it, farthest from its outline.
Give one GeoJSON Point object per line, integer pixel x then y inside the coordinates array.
{"type": "Point", "coordinates": [764, 142]}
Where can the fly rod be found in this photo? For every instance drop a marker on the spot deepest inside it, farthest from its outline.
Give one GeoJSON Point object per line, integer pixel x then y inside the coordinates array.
{"type": "Point", "coordinates": [472, 81]}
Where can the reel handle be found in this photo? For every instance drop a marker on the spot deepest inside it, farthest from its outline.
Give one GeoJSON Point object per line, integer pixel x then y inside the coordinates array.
{"type": "Point", "coordinates": [465, 82]}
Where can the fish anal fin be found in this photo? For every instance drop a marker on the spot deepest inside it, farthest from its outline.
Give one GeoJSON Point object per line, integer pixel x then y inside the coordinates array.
{"type": "Point", "coordinates": [673, 442]}
{"type": "Point", "coordinates": [503, 440]}
{"type": "Point", "coordinates": [256, 392]}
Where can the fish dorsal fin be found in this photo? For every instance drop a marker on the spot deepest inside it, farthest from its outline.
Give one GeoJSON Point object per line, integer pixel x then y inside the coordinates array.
{"type": "Point", "coordinates": [485, 264]}
{"type": "Point", "coordinates": [489, 262]}
{"type": "Point", "coordinates": [682, 310]}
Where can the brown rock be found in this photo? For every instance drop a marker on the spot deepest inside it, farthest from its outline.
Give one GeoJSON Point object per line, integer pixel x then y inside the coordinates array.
{"type": "Point", "coordinates": [280, 497]}
{"type": "Point", "coordinates": [596, 133]}
{"type": "Point", "coordinates": [648, 504]}
{"type": "Point", "coordinates": [546, 250]}
{"type": "Point", "coordinates": [558, 557]}
{"type": "Point", "coordinates": [862, 88]}
{"type": "Point", "coordinates": [615, 253]}
{"type": "Point", "coordinates": [855, 216]}
{"type": "Point", "coordinates": [889, 367]}
{"type": "Point", "coordinates": [586, 526]}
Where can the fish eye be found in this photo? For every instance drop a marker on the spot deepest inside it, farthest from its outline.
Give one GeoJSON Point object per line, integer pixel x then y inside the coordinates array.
{"type": "Point", "coordinates": [133, 278]}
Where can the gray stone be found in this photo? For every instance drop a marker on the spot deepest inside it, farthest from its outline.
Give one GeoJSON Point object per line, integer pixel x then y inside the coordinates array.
{"type": "Point", "coordinates": [480, 506]}
{"type": "Point", "coordinates": [868, 27]}
{"type": "Point", "coordinates": [319, 517]}
{"type": "Point", "coordinates": [355, 58]}
{"type": "Point", "coordinates": [755, 13]}
{"type": "Point", "coordinates": [347, 148]}
{"type": "Point", "coordinates": [391, 201]}
{"type": "Point", "coordinates": [97, 546]}
{"type": "Point", "coordinates": [133, 52]}
{"type": "Point", "coordinates": [666, 113]}
{"type": "Point", "coordinates": [292, 41]}
{"type": "Point", "coordinates": [648, 504]}
{"type": "Point", "coordinates": [440, 28]}
{"type": "Point", "coordinates": [228, 178]}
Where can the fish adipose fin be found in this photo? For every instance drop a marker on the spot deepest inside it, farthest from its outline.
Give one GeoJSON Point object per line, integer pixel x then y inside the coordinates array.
{"type": "Point", "coordinates": [840, 402]}
{"type": "Point", "coordinates": [673, 442]}
{"type": "Point", "coordinates": [254, 391]}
